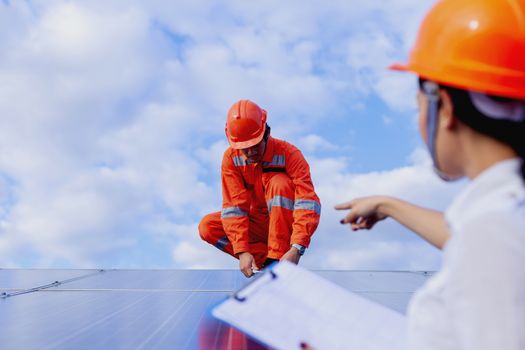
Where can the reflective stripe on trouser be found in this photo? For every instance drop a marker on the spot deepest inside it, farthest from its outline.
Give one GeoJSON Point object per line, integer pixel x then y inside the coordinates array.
{"type": "Point", "coordinates": [279, 193]}
{"type": "Point", "coordinates": [212, 231]}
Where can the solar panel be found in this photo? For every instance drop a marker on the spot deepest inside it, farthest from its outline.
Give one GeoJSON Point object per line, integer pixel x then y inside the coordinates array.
{"type": "Point", "coordinates": [147, 309]}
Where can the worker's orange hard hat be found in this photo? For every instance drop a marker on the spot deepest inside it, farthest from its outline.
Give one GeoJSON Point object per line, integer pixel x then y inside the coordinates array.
{"type": "Point", "coordinates": [474, 45]}
{"type": "Point", "coordinates": [245, 124]}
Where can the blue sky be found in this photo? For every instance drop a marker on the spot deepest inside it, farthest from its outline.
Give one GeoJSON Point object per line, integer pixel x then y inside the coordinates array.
{"type": "Point", "coordinates": [112, 125]}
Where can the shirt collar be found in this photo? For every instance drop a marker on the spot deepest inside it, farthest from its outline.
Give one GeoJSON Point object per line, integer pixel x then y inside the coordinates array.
{"type": "Point", "coordinates": [495, 178]}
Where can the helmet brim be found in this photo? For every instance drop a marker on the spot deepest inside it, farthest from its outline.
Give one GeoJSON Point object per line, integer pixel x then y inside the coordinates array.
{"type": "Point", "coordinates": [248, 143]}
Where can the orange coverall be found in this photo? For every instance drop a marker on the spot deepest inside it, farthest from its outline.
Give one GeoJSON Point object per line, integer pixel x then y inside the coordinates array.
{"type": "Point", "coordinates": [267, 206]}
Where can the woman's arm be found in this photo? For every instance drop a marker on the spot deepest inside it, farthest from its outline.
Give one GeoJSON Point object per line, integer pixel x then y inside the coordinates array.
{"type": "Point", "coordinates": [365, 212]}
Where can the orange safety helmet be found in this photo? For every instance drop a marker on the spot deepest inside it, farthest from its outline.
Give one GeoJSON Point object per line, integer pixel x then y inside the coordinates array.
{"type": "Point", "coordinates": [474, 45]}
{"type": "Point", "coordinates": [245, 124]}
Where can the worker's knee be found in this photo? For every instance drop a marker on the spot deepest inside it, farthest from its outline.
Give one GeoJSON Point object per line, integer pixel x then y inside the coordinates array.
{"type": "Point", "coordinates": [281, 184]}
{"type": "Point", "coordinates": [205, 227]}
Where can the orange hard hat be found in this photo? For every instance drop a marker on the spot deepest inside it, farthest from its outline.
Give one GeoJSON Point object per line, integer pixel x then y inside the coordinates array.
{"type": "Point", "coordinates": [474, 45]}
{"type": "Point", "coordinates": [245, 124]}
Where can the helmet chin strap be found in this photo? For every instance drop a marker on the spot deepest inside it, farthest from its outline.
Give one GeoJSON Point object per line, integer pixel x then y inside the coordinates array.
{"type": "Point", "coordinates": [431, 91]}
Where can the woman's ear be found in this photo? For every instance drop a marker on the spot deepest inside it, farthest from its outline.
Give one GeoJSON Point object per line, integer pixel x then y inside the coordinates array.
{"type": "Point", "coordinates": [446, 111]}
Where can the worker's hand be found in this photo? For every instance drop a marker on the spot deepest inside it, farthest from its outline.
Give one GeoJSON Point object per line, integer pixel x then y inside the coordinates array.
{"type": "Point", "coordinates": [247, 264]}
{"type": "Point", "coordinates": [292, 255]}
{"type": "Point", "coordinates": [364, 212]}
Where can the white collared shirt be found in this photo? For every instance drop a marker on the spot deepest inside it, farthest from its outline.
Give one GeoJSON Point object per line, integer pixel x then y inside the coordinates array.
{"type": "Point", "coordinates": [477, 300]}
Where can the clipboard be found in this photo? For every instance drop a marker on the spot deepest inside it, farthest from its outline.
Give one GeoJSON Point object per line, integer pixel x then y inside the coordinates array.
{"type": "Point", "coordinates": [287, 305]}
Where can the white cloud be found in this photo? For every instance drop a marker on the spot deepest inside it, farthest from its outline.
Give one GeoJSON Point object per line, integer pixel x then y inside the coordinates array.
{"type": "Point", "coordinates": [65, 78]}
{"type": "Point", "coordinates": [313, 142]}
{"type": "Point", "coordinates": [199, 255]}
{"type": "Point", "coordinates": [382, 255]}
{"type": "Point", "coordinates": [190, 251]}
{"type": "Point", "coordinates": [388, 245]}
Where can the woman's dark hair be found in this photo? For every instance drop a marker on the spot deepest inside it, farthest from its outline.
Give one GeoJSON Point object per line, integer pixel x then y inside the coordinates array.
{"type": "Point", "coordinates": [509, 132]}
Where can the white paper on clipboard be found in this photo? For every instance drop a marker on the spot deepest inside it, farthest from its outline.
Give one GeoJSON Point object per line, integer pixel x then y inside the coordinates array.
{"type": "Point", "coordinates": [287, 305]}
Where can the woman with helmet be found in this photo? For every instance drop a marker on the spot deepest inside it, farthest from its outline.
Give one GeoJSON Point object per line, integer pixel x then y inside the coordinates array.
{"type": "Point", "coordinates": [470, 60]}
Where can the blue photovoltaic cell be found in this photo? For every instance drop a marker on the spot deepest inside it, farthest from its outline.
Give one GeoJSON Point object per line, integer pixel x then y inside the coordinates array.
{"type": "Point", "coordinates": [147, 309]}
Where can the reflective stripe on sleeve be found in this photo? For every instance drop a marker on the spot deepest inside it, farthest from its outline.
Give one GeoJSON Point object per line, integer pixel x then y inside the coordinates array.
{"type": "Point", "coordinates": [231, 212]}
{"type": "Point", "coordinates": [280, 201]}
{"type": "Point", "coordinates": [308, 205]}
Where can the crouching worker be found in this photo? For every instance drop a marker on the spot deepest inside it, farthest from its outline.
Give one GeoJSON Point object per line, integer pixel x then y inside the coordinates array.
{"type": "Point", "coordinates": [269, 206]}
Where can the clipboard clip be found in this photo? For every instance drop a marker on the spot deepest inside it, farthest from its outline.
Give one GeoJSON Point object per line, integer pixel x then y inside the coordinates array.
{"type": "Point", "coordinates": [252, 286]}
